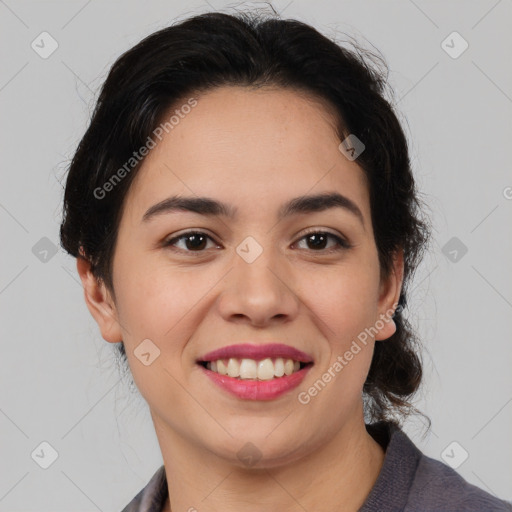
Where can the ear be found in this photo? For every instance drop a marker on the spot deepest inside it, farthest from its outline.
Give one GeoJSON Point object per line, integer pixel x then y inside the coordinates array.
{"type": "Point", "coordinates": [99, 302]}
{"type": "Point", "coordinates": [389, 294]}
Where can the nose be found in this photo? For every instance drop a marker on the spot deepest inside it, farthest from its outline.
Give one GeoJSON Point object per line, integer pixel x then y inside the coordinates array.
{"type": "Point", "coordinates": [260, 293]}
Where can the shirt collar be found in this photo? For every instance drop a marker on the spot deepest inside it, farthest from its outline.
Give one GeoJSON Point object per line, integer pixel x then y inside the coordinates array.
{"type": "Point", "coordinates": [391, 489]}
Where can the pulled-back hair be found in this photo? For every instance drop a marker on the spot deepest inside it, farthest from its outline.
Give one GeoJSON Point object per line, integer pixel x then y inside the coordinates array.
{"type": "Point", "coordinates": [256, 50]}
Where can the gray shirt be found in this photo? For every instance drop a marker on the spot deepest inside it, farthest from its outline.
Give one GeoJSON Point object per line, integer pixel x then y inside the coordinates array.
{"type": "Point", "coordinates": [408, 481]}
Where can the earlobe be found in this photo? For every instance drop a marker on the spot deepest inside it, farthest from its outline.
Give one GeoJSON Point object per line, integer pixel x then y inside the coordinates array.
{"type": "Point", "coordinates": [99, 302]}
{"type": "Point", "coordinates": [389, 296]}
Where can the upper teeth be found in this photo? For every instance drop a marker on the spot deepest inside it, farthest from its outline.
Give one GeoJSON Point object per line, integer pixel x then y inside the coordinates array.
{"type": "Point", "coordinates": [265, 369]}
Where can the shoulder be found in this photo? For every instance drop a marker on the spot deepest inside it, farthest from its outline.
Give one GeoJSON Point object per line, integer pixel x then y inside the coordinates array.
{"type": "Point", "coordinates": [410, 481]}
{"type": "Point", "coordinates": [438, 487]}
{"type": "Point", "coordinates": [152, 497]}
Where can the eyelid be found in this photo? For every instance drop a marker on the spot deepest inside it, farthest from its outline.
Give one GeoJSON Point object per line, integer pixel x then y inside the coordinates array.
{"type": "Point", "coordinates": [321, 230]}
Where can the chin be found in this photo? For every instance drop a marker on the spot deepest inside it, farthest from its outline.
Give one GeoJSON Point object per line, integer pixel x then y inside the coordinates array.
{"type": "Point", "coordinates": [258, 450]}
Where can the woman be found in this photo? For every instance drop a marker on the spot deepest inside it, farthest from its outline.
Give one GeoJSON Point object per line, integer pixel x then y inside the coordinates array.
{"type": "Point", "coordinates": [245, 224]}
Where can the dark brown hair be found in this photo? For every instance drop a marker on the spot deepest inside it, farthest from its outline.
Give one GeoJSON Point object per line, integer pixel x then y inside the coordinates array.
{"type": "Point", "coordinates": [253, 50]}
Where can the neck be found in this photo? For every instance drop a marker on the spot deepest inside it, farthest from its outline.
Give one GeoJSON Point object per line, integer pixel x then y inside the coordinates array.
{"type": "Point", "coordinates": [339, 476]}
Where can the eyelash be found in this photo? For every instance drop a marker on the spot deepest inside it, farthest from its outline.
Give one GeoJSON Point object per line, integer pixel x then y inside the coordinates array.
{"type": "Point", "coordinates": [342, 244]}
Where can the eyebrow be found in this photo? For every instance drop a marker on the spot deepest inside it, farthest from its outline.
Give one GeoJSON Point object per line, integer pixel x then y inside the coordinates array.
{"type": "Point", "coordinates": [211, 207]}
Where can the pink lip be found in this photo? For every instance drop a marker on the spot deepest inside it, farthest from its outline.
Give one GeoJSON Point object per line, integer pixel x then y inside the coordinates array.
{"type": "Point", "coordinates": [257, 352]}
{"type": "Point", "coordinates": [256, 389]}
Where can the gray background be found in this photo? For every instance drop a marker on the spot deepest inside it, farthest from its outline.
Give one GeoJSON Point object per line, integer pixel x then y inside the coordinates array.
{"type": "Point", "coordinates": [58, 379]}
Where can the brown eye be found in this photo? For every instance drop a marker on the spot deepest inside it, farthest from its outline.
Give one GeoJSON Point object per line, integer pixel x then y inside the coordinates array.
{"type": "Point", "coordinates": [317, 241]}
{"type": "Point", "coordinates": [194, 241]}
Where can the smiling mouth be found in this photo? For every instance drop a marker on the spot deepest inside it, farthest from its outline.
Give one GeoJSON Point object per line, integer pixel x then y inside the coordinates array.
{"type": "Point", "coordinates": [252, 369]}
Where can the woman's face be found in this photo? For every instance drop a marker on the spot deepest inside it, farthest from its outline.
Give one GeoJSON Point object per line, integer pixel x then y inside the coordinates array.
{"type": "Point", "coordinates": [253, 278]}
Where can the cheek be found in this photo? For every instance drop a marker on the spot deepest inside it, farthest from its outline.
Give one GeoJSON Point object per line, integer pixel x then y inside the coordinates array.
{"type": "Point", "coordinates": [154, 316]}
{"type": "Point", "coordinates": [345, 303]}
{"type": "Point", "coordinates": [344, 298]}
{"type": "Point", "coordinates": [152, 296]}
{"type": "Point", "coordinates": [165, 306]}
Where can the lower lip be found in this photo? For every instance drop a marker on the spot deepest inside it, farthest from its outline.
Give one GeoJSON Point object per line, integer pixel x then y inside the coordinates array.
{"type": "Point", "coordinates": [258, 389]}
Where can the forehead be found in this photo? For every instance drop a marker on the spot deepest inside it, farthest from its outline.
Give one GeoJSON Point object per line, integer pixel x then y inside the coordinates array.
{"type": "Point", "coordinates": [249, 146]}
